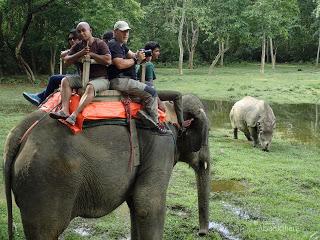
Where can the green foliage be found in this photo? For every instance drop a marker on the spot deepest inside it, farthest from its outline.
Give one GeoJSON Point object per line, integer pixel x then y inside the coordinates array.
{"type": "Point", "coordinates": [272, 17]}
{"type": "Point", "coordinates": [293, 24]}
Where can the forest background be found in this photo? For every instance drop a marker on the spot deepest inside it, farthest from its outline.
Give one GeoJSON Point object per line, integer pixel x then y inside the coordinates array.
{"type": "Point", "coordinates": [191, 33]}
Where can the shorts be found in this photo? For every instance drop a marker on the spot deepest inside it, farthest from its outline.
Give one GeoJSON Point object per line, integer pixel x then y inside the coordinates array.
{"type": "Point", "coordinates": [99, 84]}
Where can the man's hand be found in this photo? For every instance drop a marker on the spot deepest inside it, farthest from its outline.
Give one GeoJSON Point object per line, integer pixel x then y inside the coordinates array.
{"type": "Point", "coordinates": [140, 55]}
{"type": "Point", "coordinates": [85, 51]}
{"type": "Point", "coordinates": [161, 105]}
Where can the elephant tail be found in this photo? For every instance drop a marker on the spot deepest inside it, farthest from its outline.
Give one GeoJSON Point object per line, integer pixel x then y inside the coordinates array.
{"type": "Point", "coordinates": [9, 157]}
{"type": "Point", "coordinates": [11, 149]}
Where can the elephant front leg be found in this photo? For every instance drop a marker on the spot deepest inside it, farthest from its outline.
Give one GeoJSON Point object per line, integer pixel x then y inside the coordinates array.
{"type": "Point", "coordinates": [147, 212]}
{"type": "Point", "coordinates": [254, 135]}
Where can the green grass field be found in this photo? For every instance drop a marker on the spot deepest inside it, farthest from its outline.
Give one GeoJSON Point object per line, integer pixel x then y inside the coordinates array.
{"type": "Point", "coordinates": [270, 195]}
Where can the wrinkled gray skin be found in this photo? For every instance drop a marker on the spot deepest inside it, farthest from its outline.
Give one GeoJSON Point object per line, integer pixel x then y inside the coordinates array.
{"type": "Point", "coordinates": [56, 176]}
{"type": "Point", "coordinates": [255, 119]}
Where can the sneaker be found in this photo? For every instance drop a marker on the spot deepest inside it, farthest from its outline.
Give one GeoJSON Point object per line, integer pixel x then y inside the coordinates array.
{"type": "Point", "coordinates": [33, 98]}
{"type": "Point", "coordinates": [146, 118]}
{"type": "Point", "coordinates": [71, 119]}
{"type": "Point", "coordinates": [58, 115]}
{"type": "Point", "coordinates": [161, 129]}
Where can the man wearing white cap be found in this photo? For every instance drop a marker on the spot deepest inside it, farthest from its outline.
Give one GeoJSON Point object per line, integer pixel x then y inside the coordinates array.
{"type": "Point", "coordinates": [123, 77]}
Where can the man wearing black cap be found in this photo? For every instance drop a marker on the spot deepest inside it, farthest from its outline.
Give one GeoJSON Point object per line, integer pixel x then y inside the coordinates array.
{"type": "Point", "coordinates": [123, 77]}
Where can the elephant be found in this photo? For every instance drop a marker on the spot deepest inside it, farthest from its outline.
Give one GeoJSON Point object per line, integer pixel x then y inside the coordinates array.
{"type": "Point", "coordinates": [56, 176]}
{"type": "Point", "coordinates": [255, 119]}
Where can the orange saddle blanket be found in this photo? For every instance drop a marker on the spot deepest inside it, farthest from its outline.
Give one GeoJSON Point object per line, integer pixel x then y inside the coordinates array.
{"type": "Point", "coordinates": [95, 110]}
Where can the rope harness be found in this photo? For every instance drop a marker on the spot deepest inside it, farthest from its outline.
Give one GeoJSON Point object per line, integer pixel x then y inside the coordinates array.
{"type": "Point", "coordinates": [126, 103]}
{"type": "Point", "coordinates": [36, 123]}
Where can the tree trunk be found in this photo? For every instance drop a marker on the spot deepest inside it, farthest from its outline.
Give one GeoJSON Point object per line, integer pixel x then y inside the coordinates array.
{"type": "Point", "coordinates": [30, 14]}
{"type": "Point", "coordinates": [33, 62]}
{"type": "Point", "coordinates": [194, 39]}
{"type": "Point", "coordinates": [318, 52]}
{"type": "Point", "coordinates": [263, 53]}
{"type": "Point", "coordinates": [25, 67]}
{"type": "Point", "coordinates": [222, 50]}
{"type": "Point", "coordinates": [214, 62]}
{"type": "Point", "coordinates": [272, 54]}
{"type": "Point", "coordinates": [53, 53]}
{"type": "Point", "coordinates": [22, 63]}
{"type": "Point", "coordinates": [222, 53]}
{"type": "Point", "coordinates": [191, 53]}
{"type": "Point", "coordinates": [267, 55]}
{"type": "Point", "coordinates": [180, 37]}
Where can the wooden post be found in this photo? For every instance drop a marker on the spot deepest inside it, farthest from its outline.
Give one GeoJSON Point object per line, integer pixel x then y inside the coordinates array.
{"type": "Point", "coordinates": [143, 72]}
{"type": "Point", "coordinates": [61, 64]}
{"type": "Point", "coordinates": [85, 70]}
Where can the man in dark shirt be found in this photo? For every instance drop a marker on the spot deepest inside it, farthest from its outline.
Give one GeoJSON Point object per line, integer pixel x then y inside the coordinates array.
{"type": "Point", "coordinates": [164, 95]}
{"type": "Point", "coordinates": [99, 51]}
{"type": "Point", "coordinates": [122, 74]}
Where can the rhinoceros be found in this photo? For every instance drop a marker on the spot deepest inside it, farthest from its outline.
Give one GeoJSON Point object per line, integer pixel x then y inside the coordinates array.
{"type": "Point", "coordinates": [255, 119]}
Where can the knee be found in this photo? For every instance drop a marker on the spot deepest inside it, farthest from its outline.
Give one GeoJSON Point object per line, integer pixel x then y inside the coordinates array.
{"type": "Point", "coordinates": [149, 207]}
{"type": "Point", "coordinates": [142, 212]}
{"type": "Point", "coordinates": [90, 90]}
{"type": "Point", "coordinates": [55, 79]}
{"type": "Point", "coordinates": [147, 211]}
{"type": "Point", "coordinates": [150, 90]}
{"type": "Point", "coordinates": [65, 82]}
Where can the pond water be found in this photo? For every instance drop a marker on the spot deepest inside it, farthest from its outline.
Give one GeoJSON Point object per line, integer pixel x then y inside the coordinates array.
{"type": "Point", "coordinates": [298, 122]}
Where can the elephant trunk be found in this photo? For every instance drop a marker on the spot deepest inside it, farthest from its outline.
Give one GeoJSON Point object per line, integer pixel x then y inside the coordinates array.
{"type": "Point", "coordinates": [203, 183]}
{"type": "Point", "coordinates": [205, 128]}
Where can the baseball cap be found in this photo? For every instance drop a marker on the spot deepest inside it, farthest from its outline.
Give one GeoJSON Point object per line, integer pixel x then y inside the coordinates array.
{"type": "Point", "coordinates": [121, 25]}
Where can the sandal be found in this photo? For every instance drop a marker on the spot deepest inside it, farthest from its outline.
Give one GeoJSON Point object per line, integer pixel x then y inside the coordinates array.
{"type": "Point", "coordinates": [58, 115]}
{"type": "Point", "coordinates": [71, 119]}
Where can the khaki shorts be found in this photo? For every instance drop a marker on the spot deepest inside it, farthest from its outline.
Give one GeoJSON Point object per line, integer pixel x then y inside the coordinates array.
{"type": "Point", "coordinates": [99, 84]}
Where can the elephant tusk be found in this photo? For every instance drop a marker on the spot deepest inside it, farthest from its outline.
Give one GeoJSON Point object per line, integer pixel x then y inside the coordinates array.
{"type": "Point", "coordinates": [205, 165]}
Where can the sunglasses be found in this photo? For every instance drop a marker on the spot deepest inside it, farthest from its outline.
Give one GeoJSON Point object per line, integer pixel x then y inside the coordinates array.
{"type": "Point", "coordinates": [72, 38]}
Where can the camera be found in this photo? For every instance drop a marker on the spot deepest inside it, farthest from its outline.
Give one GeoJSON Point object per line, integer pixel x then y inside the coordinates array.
{"type": "Point", "coordinates": [148, 52]}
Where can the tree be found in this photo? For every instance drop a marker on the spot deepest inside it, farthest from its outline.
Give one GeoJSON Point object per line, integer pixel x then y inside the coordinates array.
{"type": "Point", "coordinates": [317, 24]}
{"type": "Point", "coordinates": [181, 24]}
{"type": "Point", "coordinates": [191, 41]}
{"type": "Point", "coordinates": [221, 20]}
{"type": "Point", "coordinates": [192, 29]}
{"type": "Point", "coordinates": [20, 15]}
{"type": "Point", "coordinates": [33, 31]}
{"type": "Point", "coordinates": [271, 19]}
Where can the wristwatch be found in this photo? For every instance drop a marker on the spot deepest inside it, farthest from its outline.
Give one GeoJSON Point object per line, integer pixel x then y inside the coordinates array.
{"type": "Point", "coordinates": [135, 59]}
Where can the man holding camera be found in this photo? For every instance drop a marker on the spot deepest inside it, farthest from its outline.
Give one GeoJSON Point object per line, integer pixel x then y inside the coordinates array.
{"type": "Point", "coordinates": [122, 74]}
{"type": "Point", "coordinates": [152, 52]}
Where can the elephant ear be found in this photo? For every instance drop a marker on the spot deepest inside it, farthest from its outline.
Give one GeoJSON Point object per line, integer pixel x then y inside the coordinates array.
{"type": "Point", "coordinates": [196, 135]}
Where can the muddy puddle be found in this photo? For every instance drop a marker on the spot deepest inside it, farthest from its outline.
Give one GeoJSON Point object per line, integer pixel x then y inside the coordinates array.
{"type": "Point", "coordinates": [298, 122]}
